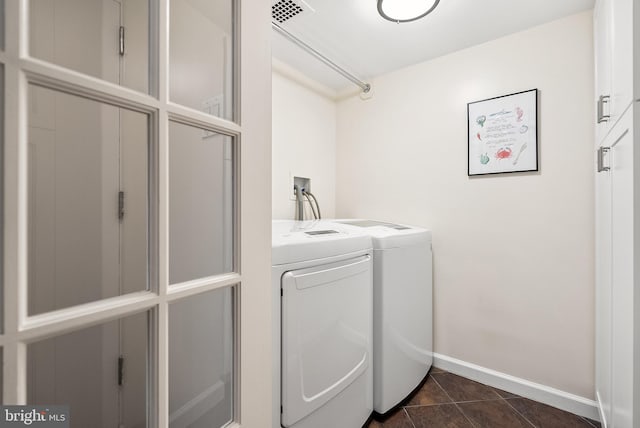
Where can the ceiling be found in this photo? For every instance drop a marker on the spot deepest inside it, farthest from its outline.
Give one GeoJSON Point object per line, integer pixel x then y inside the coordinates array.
{"type": "Point", "coordinates": [353, 35]}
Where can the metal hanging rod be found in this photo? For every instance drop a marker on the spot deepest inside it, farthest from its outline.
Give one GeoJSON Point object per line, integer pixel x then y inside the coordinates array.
{"type": "Point", "coordinates": [363, 85]}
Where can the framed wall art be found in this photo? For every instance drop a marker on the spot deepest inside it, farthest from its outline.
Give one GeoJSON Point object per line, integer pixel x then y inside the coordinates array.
{"type": "Point", "coordinates": [503, 134]}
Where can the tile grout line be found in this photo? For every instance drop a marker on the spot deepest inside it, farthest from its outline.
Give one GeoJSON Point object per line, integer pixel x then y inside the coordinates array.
{"type": "Point", "coordinates": [443, 390]}
{"type": "Point", "coordinates": [477, 401]}
{"type": "Point", "coordinates": [404, 408]}
{"type": "Point", "coordinates": [409, 417]}
{"type": "Point", "coordinates": [498, 396]}
{"type": "Point", "coordinates": [518, 412]}
{"type": "Point", "coordinates": [454, 402]}
{"type": "Point", "coordinates": [460, 409]}
{"type": "Point", "coordinates": [464, 415]}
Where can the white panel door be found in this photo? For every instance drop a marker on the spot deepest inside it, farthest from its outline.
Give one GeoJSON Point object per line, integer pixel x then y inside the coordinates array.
{"type": "Point", "coordinates": [624, 359]}
{"type": "Point", "coordinates": [617, 327]}
{"type": "Point", "coordinates": [602, 46]}
{"type": "Point", "coordinates": [603, 291]}
{"type": "Point", "coordinates": [621, 29]}
{"type": "Point", "coordinates": [613, 43]}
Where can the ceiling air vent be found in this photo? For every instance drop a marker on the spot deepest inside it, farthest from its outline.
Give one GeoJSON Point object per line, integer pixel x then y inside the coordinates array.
{"type": "Point", "coordinates": [284, 10]}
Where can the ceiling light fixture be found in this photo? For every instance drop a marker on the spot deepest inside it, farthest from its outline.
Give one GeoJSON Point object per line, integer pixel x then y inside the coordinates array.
{"type": "Point", "coordinates": [405, 10]}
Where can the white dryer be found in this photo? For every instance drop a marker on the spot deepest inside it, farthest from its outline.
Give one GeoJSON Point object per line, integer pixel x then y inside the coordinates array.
{"type": "Point", "coordinates": [322, 283]}
{"type": "Point", "coordinates": [402, 309]}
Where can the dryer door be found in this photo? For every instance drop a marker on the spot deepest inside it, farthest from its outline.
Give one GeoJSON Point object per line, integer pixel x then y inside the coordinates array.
{"type": "Point", "coordinates": [326, 333]}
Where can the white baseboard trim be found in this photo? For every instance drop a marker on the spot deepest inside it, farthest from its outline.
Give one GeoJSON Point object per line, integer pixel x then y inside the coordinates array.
{"type": "Point", "coordinates": [534, 391]}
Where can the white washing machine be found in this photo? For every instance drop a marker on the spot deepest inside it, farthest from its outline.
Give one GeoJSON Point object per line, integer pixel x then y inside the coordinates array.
{"type": "Point", "coordinates": [322, 283]}
{"type": "Point", "coordinates": [402, 309]}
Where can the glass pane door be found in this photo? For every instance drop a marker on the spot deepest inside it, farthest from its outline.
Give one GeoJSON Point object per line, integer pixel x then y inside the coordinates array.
{"type": "Point", "coordinates": [201, 379]}
{"type": "Point", "coordinates": [108, 39]}
{"type": "Point", "coordinates": [100, 376]}
{"type": "Point", "coordinates": [201, 56]}
{"type": "Point", "coordinates": [123, 295]}
{"type": "Point", "coordinates": [200, 203]}
{"type": "Point", "coordinates": [88, 200]}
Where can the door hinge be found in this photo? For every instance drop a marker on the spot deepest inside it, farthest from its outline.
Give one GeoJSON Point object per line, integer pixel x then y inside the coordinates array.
{"type": "Point", "coordinates": [120, 205]}
{"type": "Point", "coordinates": [602, 100]}
{"type": "Point", "coordinates": [602, 151]}
{"type": "Point", "coordinates": [120, 370]}
{"type": "Point", "coordinates": [121, 43]}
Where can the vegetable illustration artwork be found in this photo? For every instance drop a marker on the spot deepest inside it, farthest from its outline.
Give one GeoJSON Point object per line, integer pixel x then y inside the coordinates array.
{"type": "Point", "coordinates": [503, 153]}
{"type": "Point", "coordinates": [502, 134]}
{"type": "Point", "coordinates": [519, 114]}
{"type": "Point", "coordinates": [524, 146]}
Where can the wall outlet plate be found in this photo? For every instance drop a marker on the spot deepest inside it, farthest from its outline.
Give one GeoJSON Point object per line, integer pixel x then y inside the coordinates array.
{"type": "Point", "coordinates": [301, 182]}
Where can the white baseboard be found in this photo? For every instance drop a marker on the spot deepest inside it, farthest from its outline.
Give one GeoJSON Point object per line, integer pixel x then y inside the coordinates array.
{"type": "Point", "coordinates": [534, 391]}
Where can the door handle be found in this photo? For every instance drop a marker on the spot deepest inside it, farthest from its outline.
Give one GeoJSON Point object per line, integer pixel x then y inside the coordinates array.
{"type": "Point", "coordinates": [602, 100]}
{"type": "Point", "coordinates": [601, 152]}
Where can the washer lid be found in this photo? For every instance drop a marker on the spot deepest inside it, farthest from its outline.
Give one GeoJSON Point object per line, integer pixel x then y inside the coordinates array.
{"type": "Point", "coordinates": [296, 241]}
{"type": "Point", "coordinates": [390, 235]}
{"type": "Point", "coordinates": [372, 223]}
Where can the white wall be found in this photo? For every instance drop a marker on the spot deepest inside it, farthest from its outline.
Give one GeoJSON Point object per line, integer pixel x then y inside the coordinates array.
{"type": "Point", "coordinates": [304, 145]}
{"type": "Point", "coordinates": [513, 254]}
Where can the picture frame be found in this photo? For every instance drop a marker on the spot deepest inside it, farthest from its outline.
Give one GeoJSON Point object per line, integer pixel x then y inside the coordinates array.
{"type": "Point", "coordinates": [503, 134]}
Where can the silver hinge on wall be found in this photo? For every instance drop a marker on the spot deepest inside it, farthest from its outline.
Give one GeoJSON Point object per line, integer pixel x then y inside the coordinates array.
{"type": "Point", "coordinates": [602, 151]}
{"type": "Point", "coordinates": [120, 205]}
{"type": "Point", "coordinates": [602, 100]}
{"type": "Point", "coordinates": [120, 370]}
{"type": "Point", "coordinates": [121, 44]}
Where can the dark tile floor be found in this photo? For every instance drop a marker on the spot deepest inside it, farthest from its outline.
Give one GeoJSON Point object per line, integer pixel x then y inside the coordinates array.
{"type": "Point", "coordinates": [450, 401]}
